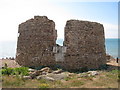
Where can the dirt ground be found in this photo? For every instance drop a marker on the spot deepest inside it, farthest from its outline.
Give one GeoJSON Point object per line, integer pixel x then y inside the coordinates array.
{"type": "Point", "coordinates": [10, 63]}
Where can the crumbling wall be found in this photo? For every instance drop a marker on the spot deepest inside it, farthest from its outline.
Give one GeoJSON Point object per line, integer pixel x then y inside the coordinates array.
{"type": "Point", "coordinates": [59, 52]}
{"type": "Point", "coordinates": [85, 44]}
{"type": "Point", "coordinates": [35, 42]}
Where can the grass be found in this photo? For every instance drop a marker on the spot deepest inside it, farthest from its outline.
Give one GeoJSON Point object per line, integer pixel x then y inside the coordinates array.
{"type": "Point", "coordinates": [44, 86]}
{"type": "Point", "coordinates": [15, 71]}
{"type": "Point", "coordinates": [104, 80]}
{"type": "Point", "coordinates": [76, 83]}
{"type": "Point", "coordinates": [72, 77]}
{"type": "Point", "coordinates": [67, 78]}
{"type": "Point", "coordinates": [107, 80]}
{"type": "Point", "coordinates": [10, 81]}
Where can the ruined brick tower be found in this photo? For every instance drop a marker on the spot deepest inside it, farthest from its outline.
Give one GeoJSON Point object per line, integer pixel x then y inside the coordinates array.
{"type": "Point", "coordinates": [84, 44]}
{"type": "Point", "coordinates": [35, 42]}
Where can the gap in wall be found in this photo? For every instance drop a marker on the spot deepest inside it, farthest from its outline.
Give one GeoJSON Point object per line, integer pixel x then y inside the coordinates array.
{"type": "Point", "coordinates": [60, 41]}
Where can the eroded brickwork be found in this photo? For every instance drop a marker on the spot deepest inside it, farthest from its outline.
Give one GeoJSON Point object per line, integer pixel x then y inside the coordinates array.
{"type": "Point", "coordinates": [84, 44]}
{"type": "Point", "coordinates": [35, 42]}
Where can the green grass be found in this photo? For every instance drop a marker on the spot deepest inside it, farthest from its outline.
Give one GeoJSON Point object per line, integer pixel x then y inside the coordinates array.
{"type": "Point", "coordinates": [10, 81]}
{"type": "Point", "coordinates": [76, 83]}
{"type": "Point", "coordinates": [15, 71]}
{"type": "Point", "coordinates": [43, 85]}
{"type": "Point", "coordinates": [114, 74]}
{"type": "Point", "coordinates": [105, 80]}
{"type": "Point", "coordinates": [67, 78]}
{"type": "Point", "coordinates": [7, 71]}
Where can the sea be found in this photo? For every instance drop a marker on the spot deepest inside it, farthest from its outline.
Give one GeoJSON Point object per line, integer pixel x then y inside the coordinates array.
{"type": "Point", "coordinates": [8, 48]}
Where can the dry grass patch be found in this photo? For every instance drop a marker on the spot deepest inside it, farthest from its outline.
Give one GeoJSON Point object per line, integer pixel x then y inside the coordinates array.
{"type": "Point", "coordinates": [104, 80]}
{"type": "Point", "coordinates": [10, 81]}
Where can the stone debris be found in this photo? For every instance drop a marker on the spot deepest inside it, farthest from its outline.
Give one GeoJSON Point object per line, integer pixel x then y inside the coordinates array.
{"type": "Point", "coordinates": [46, 69]}
{"type": "Point", "coordinates": [84, 44]}
{"type": "Point", "coordinates": [57, 71]}
{"type": "Point", "coordinates": [31, 70]}
{"type": "Point", "coordinates": [45, 78]}
{"type": "Point", "coordinates": [88, 74]}
{"type": "Point", "coordinates": [57, 74]}
{"type": "Point", "coordinates": [45, 74]}
{"type": "Point", "coordinates": [42, 71]}
{"type": "Point", "coordinates": [109, 58]}
{"type": "Point", "coordinates": [83, 75]}
{"type": "Point", "coordinates": [27, 77]}
{"type": "Point", "coordinates": [39, 77]}
{"type": "Point", "coordinates": [36, 73]}
{"type": "Point", "coordinates": [48, 78]}
{"type": "Point", "coordinates": [71, 74]}
{"type": "Point", "coordinates": [93, 73]}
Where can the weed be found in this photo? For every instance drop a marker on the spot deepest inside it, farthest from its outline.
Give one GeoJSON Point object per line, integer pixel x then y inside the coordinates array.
{"type": "Point", "coordinates": [70, 78]}
{"type": "Point", "coordinates": [99, 84]}
{"type": "Point", "coordinates": [113, 74]}
{"type": "Point", "coordinates": [12, 81]}
{"type": "Point", "coordinates": [89, 78]}
{"type": "Point", "coordinates": [76, 83]}
{"type": "Point", "coordinates": [7, 71]}
{"type": "Point", "coordinates": [67, 78]}
{"type": "Point", "coordinates": [15, 71]}
{"type": "Point", "coordinates": [115, 71]}
{"type": "Point", "coordinates": [21, 71]}
{"type": "Point", "coordinates": [43, 81]}
{"type": "Point", "coordinates": [5, 65]}
{"type": "Point", "coordinates": [43, 85]}
{"type": "Point", "coordinates": [58, 84]}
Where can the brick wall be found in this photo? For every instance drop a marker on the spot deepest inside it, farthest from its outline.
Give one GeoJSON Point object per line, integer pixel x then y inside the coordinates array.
{"type": "Point", "coordinates": [84, 44]}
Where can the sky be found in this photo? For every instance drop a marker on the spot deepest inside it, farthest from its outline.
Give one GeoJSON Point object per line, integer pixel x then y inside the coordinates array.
{"type": "Point", "coordinates": [14, 12]}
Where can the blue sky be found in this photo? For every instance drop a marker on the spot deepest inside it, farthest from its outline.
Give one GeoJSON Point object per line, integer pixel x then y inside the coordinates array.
{"type": "Point", "coordinates": [14, 12]}
{"type": "Point", "coordinates": [104, 12]}
{"type": "Point", "coordinates": [99, 11]}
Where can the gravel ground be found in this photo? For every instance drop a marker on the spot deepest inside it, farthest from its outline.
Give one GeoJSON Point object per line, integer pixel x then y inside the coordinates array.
{"type": "Point", "coordinates": [10, 63]}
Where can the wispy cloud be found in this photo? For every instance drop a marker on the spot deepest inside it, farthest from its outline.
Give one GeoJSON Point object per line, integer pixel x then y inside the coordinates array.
{"type": "Point", "coordinates": [87, 0]}
{"type": "Point", "coordinates": [111, 30]}
{"type": "Point", "coordinates": [110, 26]}
{"type": "Point", "coordinates": [17, 11]}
